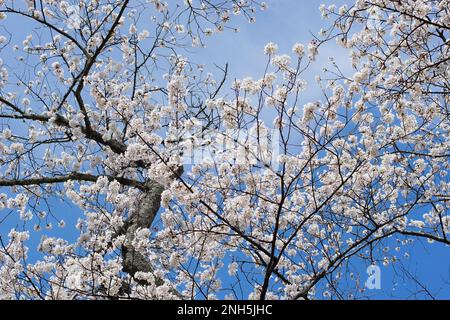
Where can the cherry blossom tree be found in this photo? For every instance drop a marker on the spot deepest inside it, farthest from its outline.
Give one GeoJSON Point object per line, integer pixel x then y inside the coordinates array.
{"type": "Point", "coordinates": [188, 189]}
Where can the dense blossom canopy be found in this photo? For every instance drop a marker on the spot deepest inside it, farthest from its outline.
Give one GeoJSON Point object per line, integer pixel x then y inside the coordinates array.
{"type": "Point", "coordinates": [191, 190]}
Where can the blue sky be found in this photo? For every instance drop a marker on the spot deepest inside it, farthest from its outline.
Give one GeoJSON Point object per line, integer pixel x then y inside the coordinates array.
{"type": "Point", "coordinates": [285, 22]}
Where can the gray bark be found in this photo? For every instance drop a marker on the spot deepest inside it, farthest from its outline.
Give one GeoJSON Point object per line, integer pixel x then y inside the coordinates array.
{"type": "Point", "coordinates": [148, 207]}
{"type": "Point", "coordinates": [149, 204]}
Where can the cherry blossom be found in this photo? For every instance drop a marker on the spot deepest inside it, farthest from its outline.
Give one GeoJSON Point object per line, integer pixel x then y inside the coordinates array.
{"type": "Point", "coordinates": [107, 111]}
